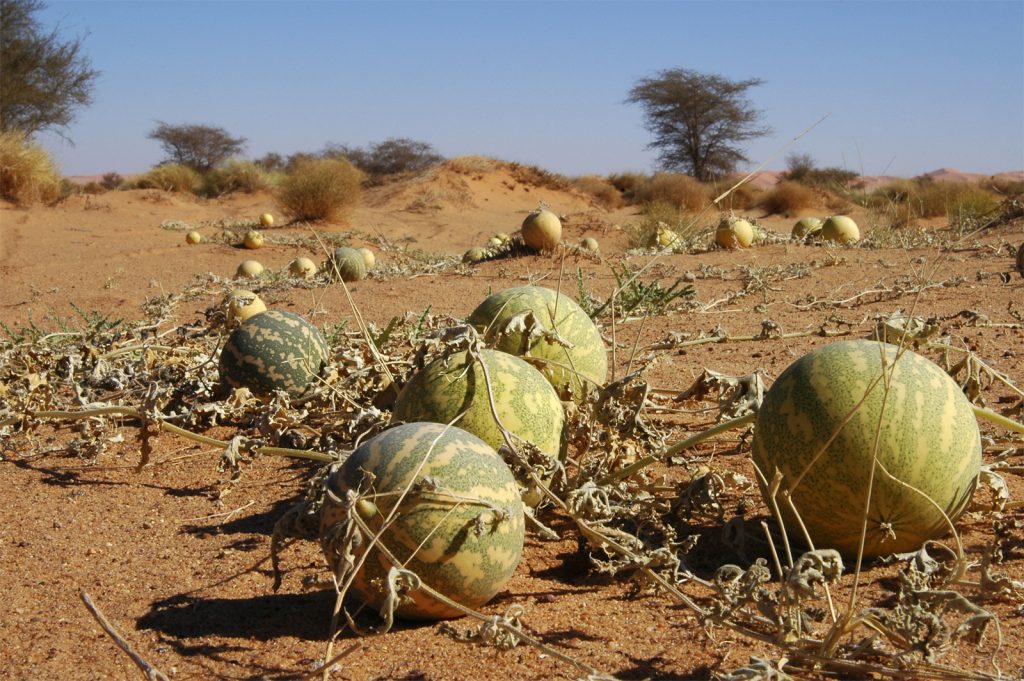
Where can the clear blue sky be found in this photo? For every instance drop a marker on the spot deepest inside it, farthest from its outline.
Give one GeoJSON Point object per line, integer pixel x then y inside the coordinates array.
{"type": "Point", "coordinates": [910, 86]}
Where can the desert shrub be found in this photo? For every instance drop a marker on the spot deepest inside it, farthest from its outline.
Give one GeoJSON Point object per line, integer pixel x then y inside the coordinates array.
{"type": "Point", "coordinates": [744, 197]}
{"type": "Point", "coordinates": [923, 197]}
{"type": "Point", "coordinates": [236, 176]}
{"type": "Point", "coordinates": [628, 183]}
{"type": "Point", "coordinates": [111, 181]}
{"type": "Point", "coordinates": [599, 188]}
{"type": "Point", "coordinates": [391, 157]}
{"type": "Point", "coordinates": [170, 177]}
{"type": "Point", "coordinates": [971, 202]}
{"type": "Point", "coordinates": [1006, 188]}
{"type": "Point", "coordinates": [679, 190]}
{"type": "Point", "coordinates": [788, 198]}
{"type": "Point", "coordinates": [28, 174]}
{"type": "Point", "coordinates": [320, 189]}
{"type": "Point", "coordinates": [802, 168]}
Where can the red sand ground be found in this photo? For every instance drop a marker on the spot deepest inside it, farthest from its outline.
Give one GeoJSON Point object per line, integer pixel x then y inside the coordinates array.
{"type": "Point", "coordinates": [169, 560]}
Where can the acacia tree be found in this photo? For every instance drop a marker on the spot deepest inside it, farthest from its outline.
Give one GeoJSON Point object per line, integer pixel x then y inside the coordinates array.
{"type": "Point", "coordinates": [200, 147]}
{"type": "Point", "coordinates": [393, 155]}
{"type": "Point", "coordinates": [698, 120]}
{"type": "Point", "coordinates": [44, 80]}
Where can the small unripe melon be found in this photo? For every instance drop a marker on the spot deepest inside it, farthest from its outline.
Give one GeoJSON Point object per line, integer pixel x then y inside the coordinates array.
{"type": "Point", "coordinates": [840, 229]}
{"type": "Point", "coordinates": [806, 227]}
{"type": "Point", "coordinates": [494, 242]}
{"type": "Point", "coordinates": [369, 259]}
{"type": "Point", "coordinates": [302, 267]}
{"type": "Point", "coordinates": [589, 244]}
{"type": "Point", "coordinates": [474, 255]}
{"type": "Point", "coordinates": [193, 237]}
{"type": "Point", "coordinates": [348, 263]}
{"type": "Point", "coordinates": [733, 233]}
{"type": "Point", "coordinates": [249, 269]}
{"type": "Point", "coordinates": [253, 239]}
{"type": "Point", "coordinates": [542, 230]}
{"type": "Point", "coordinates": [241, 304]}
{"type": "Point", "coordinates": [267, 220]}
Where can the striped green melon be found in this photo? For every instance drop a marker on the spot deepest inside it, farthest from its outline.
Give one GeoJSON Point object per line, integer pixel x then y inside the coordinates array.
{"type": "Point", "coordinates": [525, 402]}
{"type": "Point", "coordinates": [573, 371]}
{"type": "Point", "coordinates": [928, 453]}
{"type": "Point", "coordinates": [459, 526]}
{"type": "Point", "coordinates": [274, 350]}
{"type": "Point", "coordinates": [348, 263]}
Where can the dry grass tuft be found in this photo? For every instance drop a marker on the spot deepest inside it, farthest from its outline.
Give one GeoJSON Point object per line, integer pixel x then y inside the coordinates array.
{"type": "Point", "coordinates": [471, 165]}
{"type": "Point", "coordinates": [600, 188]}
{"type": "Point", "coordinates": [788, 198]}
{"type": "Point", "coordinates": [237, 176]}
{"type": "Point", "coordinates": [320, 189]}
{"type": "Point", "coordinates": [682, 191]}
{"type": "Point", "coordinates": [28, 174]}
{"type": "Point", "coordinates": [923, 198]}
{"type": "Point", "coordinates": [171, 177]}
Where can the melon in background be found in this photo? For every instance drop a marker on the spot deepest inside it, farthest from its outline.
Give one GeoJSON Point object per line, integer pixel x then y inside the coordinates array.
{"type": "Point", "coordinates": [542, 230]}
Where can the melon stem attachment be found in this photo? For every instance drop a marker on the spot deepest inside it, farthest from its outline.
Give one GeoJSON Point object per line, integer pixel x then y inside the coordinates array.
{"type": "Point", "coordinates": [691, 441]}
{"type": "Point", "coordinates": [998, 419]}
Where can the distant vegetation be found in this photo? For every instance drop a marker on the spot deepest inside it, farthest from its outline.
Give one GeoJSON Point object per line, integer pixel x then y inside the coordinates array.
{"type": "Point", "coordinates": [320, 189]}
{"type": "Point", "coordinates": [27, 173]}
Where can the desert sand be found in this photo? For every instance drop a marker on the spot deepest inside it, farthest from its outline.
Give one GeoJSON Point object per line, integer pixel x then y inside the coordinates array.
{"type": "Point", "coordinates": [175, 554]}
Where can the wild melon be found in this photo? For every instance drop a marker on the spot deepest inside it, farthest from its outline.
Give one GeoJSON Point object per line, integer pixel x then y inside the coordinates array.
{"type": "Point", "coordinates": [241, 304]}
{"type": "Point", "coordinates": [302, 267]}
{"type": "Point", "coordinates": [734, 232]}
{"type": "Point", "coordinates": [525, 403]}
{"type": "Point", "coordinates": [542, 230]}
{"type": "Point", "coordinates": [519, 321]}
{"type": "Point", "coordinates": [347, 263]}
{"type": "Point", "coordinates": [274, 350]}
{"type": "Point", "coordinates": [840, 229]}
{"type": "Point", "coordinates": [805, 227]}
{"type": "Point", "coordinates": [474, 255]}
{"type": "Point", "coordinates": [445, 506]}
{"type": "Point", "coordinates": [858, 416]}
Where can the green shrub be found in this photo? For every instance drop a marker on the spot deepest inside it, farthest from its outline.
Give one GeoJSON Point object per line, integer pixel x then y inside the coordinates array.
{"type": "Point", "coordinates": [28, 174]}
{"type": "Point", "coordinates": [599, 188]}
{"type": "Point", "coordinates": [682, 191]}
{"type": "Point", "coordinates": [320, 189]}
{"type": "Point", "coordinates": [171, 177]}
{"type": "Point", "coordinates": [788, 198]}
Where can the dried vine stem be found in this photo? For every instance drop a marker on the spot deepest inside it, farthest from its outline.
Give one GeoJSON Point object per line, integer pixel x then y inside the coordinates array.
{"type": "Point", "coordinates": [132, 412]}
{"type": "Point", "coordinates": [151, 672]}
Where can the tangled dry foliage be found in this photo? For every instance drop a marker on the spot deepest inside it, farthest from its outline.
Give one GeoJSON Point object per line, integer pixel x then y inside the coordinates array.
{"type": "Point", "coordinates": [640, 517]}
